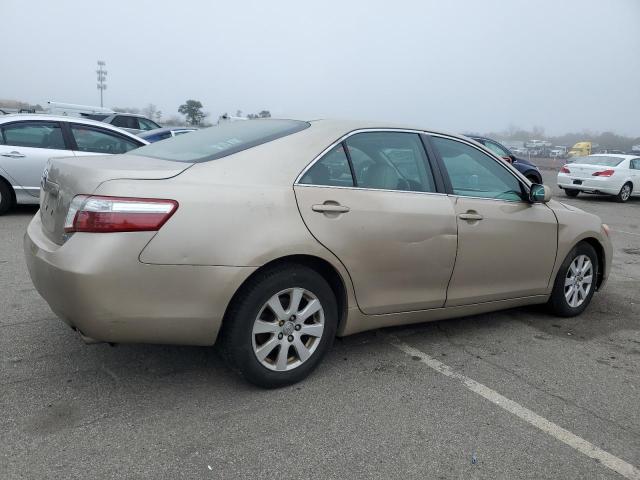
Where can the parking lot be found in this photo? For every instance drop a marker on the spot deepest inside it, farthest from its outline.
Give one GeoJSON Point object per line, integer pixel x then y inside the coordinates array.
{"type": "Point", "coordinates": [424, 401]}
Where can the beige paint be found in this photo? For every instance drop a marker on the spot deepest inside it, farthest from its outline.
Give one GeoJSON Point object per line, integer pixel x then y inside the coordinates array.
{"type": "Point", "coordinates": [395, 251]}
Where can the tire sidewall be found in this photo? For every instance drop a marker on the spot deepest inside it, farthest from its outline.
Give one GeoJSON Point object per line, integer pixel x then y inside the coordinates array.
{"type": "Point", "coordinates": [619, 196]}
{"type": "Point", "coordinates": [6, 199]}
{"type": "Point", "coordinates": [558, 300]}
{"type": "Point", "coordinates": [239, 342]}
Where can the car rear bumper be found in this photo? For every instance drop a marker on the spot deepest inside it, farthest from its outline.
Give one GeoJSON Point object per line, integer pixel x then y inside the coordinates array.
{"type": "Point", "coordinates": [594, 185]}
{"type": "Point", "coordinates": [96, 284]}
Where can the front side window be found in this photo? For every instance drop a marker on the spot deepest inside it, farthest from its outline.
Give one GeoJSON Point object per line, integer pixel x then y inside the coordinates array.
{"type": "Point", "coordinates": [331, 170]}
{"type": "Point", "coordinates": [635, 164]}
{"type": "Point", "coordinates": [475, 174]}
{"type": "Point", "coordinates": [93, 139]}
{"type": "Point", "coordinates": [33, 134]}
{"type": "Point", "coordinates": [390, 161]}
{"type": "Point", "coordinates": [146, 124]}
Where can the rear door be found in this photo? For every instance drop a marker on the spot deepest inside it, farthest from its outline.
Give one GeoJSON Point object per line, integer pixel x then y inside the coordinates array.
{"type": "Point", "coordinates": [374, 202]}
{"type": "Point", "coordinates": [506, 245]}
{"type": "Point", "coordinates": [25, 147]}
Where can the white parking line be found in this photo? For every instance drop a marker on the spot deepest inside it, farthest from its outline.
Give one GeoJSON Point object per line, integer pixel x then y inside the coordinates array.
{"type": "Point", "coordinates": [614, 463]}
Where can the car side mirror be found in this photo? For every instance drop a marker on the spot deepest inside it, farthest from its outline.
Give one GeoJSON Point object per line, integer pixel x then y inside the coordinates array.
{"type": "Point", "coordinates": [539, 193]}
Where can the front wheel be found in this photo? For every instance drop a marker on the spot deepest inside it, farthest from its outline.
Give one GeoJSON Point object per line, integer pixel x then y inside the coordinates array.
{"type": "Point", "coordinates": [625, 193]}
{"type": "Point", "coordinates": [280, 326]}
{"type": "Point", "coordinates": [570, 192]}
{"type": "Point", "coordinates": [575, 282]}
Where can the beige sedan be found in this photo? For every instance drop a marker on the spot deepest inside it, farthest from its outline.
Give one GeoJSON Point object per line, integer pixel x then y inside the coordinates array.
{"type": "Point", "coordinates": [271, 237]}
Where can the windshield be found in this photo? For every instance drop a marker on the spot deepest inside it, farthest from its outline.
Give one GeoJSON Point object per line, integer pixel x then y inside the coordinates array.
{"type": "Point", "coordinates": [221, 140]}
{"type": "Point", "coordinates": [603, 160]}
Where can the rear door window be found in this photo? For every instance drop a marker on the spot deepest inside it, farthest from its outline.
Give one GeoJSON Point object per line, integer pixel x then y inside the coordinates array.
{"type": "Point", "coordinates": [390, 161]}
{"type": "Point", "coordinates": [97, 140]}
{"type": "Point", "coordinates": [35, 134]}
{"type": "Point", "coordinates": [125, 121]}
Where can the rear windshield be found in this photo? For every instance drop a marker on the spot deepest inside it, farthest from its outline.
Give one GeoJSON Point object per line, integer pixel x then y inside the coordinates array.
{"type": "Point", "coordinates": [603, 160]}
{"type": "Point", "coordinates": [221, 140]}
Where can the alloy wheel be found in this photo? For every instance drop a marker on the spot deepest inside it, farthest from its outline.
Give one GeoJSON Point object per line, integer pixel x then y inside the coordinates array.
{"type": "Point", "coordinates": [625, 193]}
{"type": "Point", "coordinates": [579, 281]}
{"type": "Point", "coordinates": [288, 329]}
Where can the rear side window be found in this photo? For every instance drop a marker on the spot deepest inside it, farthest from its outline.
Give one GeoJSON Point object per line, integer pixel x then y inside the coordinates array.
{"type": "Point", "coordinates": [93, 139]}
{"type": "Point", "coordinates": [331, 170]}
{"type": "Point", "coordinates": [33, 134]}
{"type": "Point", "coordinates": [221, 140]}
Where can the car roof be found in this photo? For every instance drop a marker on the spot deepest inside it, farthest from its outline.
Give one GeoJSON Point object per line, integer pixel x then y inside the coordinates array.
{"type": "Point", "coordinates": [63, 118]}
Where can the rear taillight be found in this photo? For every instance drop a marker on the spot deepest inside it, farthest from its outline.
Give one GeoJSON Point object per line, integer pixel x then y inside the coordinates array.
{"type": "Point", "coordinates": [564, 169]}
{"type": "Point", "coordinates": [604, 173]}
{"type": "Point", "coordinates": [98, 214]}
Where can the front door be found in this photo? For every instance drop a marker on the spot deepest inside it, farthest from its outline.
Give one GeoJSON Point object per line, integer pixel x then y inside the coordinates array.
{"type": "Point", "coordinates": [373, 202]}
{"type": "Point", "coordinates": [506, 245]}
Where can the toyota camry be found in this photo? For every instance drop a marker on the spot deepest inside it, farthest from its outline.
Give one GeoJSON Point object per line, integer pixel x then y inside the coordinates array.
{"type": "Point", "coordinates": [272, 237]}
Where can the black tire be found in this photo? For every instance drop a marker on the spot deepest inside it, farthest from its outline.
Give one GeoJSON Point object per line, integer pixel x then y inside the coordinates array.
{"type": "Point", "coordinates": [558, 303]}
{"type": "Point", "coordinates": [570, 192]}
{"type": "Point", "coordinates": [236, 337]}
{"type": "Point", "coordinates": [6, 197]}
{"type": "Point", "coordinates": [625, 193]}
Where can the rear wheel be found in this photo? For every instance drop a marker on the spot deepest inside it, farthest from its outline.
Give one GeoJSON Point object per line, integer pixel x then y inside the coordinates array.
{"type": "Point", "coordinates": [570, 192]}
{"type": "Point", "coordinates": [280, 326]}
{"type": "Point", "coordinates": [576, 282]}
{"type": "Point", "coordinates": [6, 198]}
{"type": "Point", "coordinates": [625, 192]}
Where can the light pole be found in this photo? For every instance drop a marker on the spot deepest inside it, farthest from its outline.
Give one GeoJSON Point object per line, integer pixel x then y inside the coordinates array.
{"type": "Point", "coordinates": [102, 79]}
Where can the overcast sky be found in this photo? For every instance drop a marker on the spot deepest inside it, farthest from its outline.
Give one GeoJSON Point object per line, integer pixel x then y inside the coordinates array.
{"type": "Point", "coordinates": [474, 65]}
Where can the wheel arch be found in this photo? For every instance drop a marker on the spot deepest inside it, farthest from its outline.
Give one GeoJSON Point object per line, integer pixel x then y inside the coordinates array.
{"type": "Point", "coordinates": [320, 266]}
{"type": "Point", "coordinates": [597, 246]}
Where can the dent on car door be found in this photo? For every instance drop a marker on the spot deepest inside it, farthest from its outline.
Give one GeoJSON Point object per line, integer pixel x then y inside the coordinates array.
{"type": "Point", "coordinates": [506, 245]}
{"type": "Point", "coordinates": [25, 148]}
{"type": "Point", "coordinates": [378, 211]}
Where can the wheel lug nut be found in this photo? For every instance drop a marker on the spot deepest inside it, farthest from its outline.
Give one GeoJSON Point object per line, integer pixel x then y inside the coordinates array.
{"type": "Point", "coordinates": [281, 322]}
{"type": "Point", "coordinates": [290, 338]}
{"type": "Point", "coordinates": [298, 327]}
{"type": "Point", "coordinates": [280, 336]}
{"type": "Point", "coordinates": [293, 318]}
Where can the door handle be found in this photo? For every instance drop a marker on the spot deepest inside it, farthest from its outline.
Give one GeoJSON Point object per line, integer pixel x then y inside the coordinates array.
{"type": "Point", "coordinates": [470, 216]}
{"type": "Point", "coordinates": [13, 154]}
{"type": "Point", "coordinates": [330, 208]}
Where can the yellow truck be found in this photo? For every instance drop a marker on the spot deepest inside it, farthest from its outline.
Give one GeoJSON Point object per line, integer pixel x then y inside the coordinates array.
{"type": "Point", "coordinates": [581, 149]}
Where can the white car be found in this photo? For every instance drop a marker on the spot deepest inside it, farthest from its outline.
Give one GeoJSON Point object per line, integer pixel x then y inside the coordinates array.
{"type": "Point", "coordinates": [617, 175]}
{"type": "Point", "coordinates": [28, 141]}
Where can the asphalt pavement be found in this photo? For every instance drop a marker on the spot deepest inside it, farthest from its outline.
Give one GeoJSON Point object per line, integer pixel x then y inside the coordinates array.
{"type": "Point", "coordinates": [513, 394]}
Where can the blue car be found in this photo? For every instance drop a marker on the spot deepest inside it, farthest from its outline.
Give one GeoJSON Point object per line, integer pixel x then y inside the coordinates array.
{"type": "Point", "coordinates": [525, 167]}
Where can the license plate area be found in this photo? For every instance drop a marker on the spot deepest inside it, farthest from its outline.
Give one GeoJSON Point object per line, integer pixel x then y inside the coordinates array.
{"type": "Point", "coordinates": [577, 182]}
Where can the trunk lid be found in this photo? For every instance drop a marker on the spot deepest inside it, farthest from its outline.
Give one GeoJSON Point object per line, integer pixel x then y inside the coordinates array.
{"type": "Point", "coordinates": [64, 178]}
{"type": "Point", "coordinates": [585, 172]}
